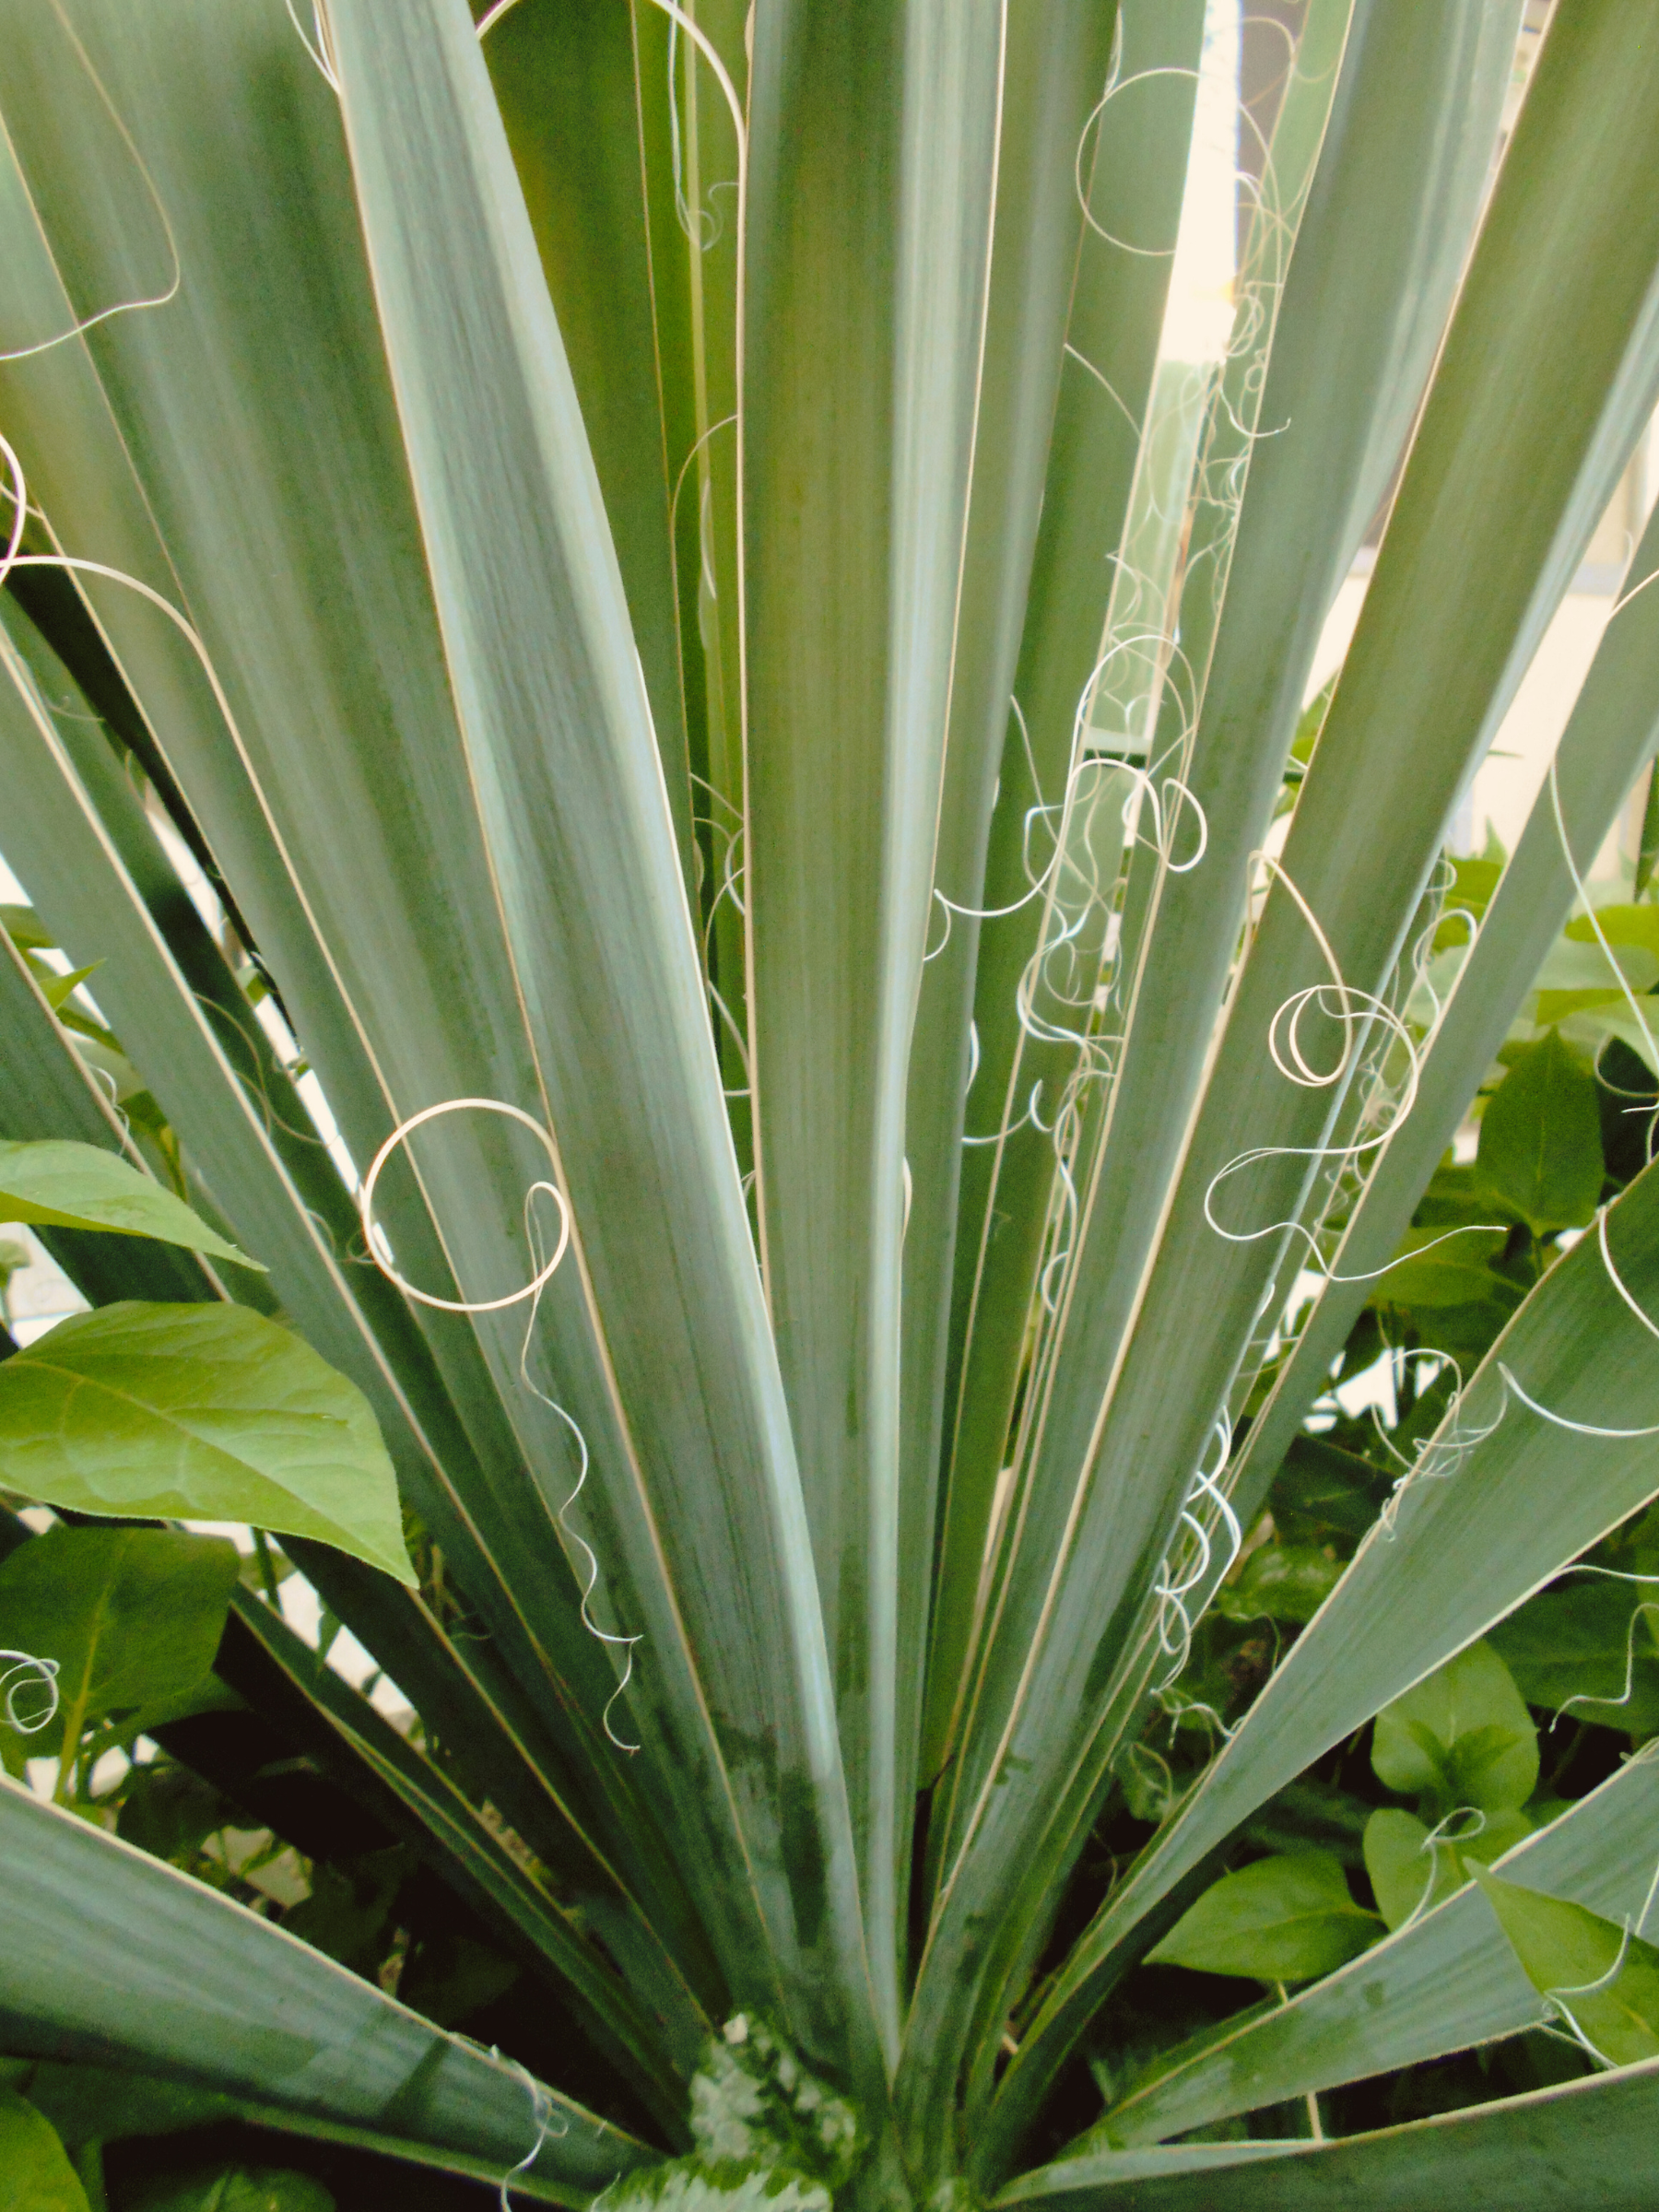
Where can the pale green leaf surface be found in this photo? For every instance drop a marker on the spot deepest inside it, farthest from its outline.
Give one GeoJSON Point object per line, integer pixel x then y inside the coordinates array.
{"type": "Point", "coordinates": [207, 1412]}
{"type": "Point", "coordinates": [68, 1186]}
{"type": "Point", "coordinates": [133, 1617]}
{"type": "Point", "coordinates": [74, 821]}
{"type": "Point", "coordinates": [664, 1329]}
{"type": "Point", "coordinates": [1556, 2150]}
{"type": "Point", "coordinates": [1169, 1381]}
{"type": "Point", "coordinates": [1611, 731]}
{"type": "Point", "coordinates": [1138, 163]}
{"type": "Point", "coordinates": [34, 2166]}
{"type": "Point", "coordinates": [1444, 1984]}
{"type": "Point", "coordinates": [213, 1995]}
{"type": "Point", "coordinates": [1494, 1488]}
{"type": "Point", "coordinates": [873, 163]}
{"type": "Point", "coordinates": [1285, 1919]}
{"type": "Point", "coordinates": [1412, 1868]}
{"type": "Point", "coordinates": [717, 2185]}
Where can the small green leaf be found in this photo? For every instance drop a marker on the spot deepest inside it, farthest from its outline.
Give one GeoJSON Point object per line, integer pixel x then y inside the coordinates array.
{"type": "Point", "coordinates": [1289, 1919]}
{"type": "Point", "coordinates": [35, 2172]}
{"type": "Point", "coordinates": [1473, 881]}
{"type": "Point", "coordinates": [25, 928]}
{"type": "Point", "coordinates": [1540, 1150]}
{"type": "Point", "coordinates": [1566, 1950]}
{"type": "Point", "coordinates": [1621, 925]}
{"type": "Point", "coordinates": [1440, 1269]}
{"type": "Point", "coordinates": [170, 1811]}
{"type": "Point", "coordinates": [1406, 1872]}
{"type": "Point", "coordinates": [233, 2189]}
{"type": "Point", "coordinates": [55, 989]}
{"type": "Point", "coordinates": [132, 1616]}
{"type": "Point", "coordinates": [346, 1916]}
{"type": "Point", "coordinates": [1580, 1645]}
{"type": "Point", "coordinates": [1286, 1581]}
{"type": "Point", "coordinates": [204, 1413]}
{"type": "Point", "coordinates": [1409, 1872]}
{"type": "Point", "coordinates": [1461, 1737]}
{"type": "Point", "coordinates": [62, 1185]}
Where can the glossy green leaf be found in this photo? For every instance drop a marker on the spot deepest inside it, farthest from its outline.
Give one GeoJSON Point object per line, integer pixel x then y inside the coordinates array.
{"type": "Point", "coordinates": [1436, 1270]}
{"type": "Point", "coordinates": [1462, 1736]}
{"type": "Point", "coordinates": [1586, 1648]}
{"type": "Point", "coordinates": [1540, 1138]}
{"type": "Point", "coordinates": [1280, 1582]}
{"type": "Point", "coordinates": [1287, 1919]}
{"type": "Point", "coordinates": [133, 1617]}
{"type": "Point", "coordinates": [208, 1412]}
{"type": "Point", "coordinates": [34, 2166]}
{"type": "Point", "coordinates": [70, 1185]}
{"type": "Point", "coordinates": [1412, 1868]}
{"type": "Point", "coordinates": [1604, 1979]}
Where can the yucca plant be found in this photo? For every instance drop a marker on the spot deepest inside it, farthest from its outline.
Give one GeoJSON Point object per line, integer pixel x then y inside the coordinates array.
{"type": "Point", "coordinates": [659, 744]}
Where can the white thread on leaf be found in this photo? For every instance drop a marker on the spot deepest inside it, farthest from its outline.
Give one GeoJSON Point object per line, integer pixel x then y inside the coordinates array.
{"type": "Point", "coordinates": [24, 1673]}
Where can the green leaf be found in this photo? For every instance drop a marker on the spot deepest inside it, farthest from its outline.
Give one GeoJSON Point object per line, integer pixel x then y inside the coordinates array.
{"type": "Point", "coordinates": [1412, 1870]}
{"type": "Point", "coordinates": [211, 1994]}
{"type": "Point", "coordinates": [1452, 1271]}
{"type": "Point", "coordinates": [207, 1412]}
{"type": "Point", "coordinates": [1540, 1138]}
{"type": "Point", "coordinates": [1587, 1647]}
{"type": "Point", "coordinates": [233, 2189]}
{"type": "Point", "coordinates": [79, 1186]}
{"type": "Point", "coordinates": [132, 1616]}
{"type": "Point", "coordinates": [102, 2104]}
{"type": "Point", "coordinates": [1449, 1981]}
{"type": "Point", "coordinates": [1619, 924]}
{"type": "Point", "coordinates": [1286, 1919]}
{"type": "Point", "coordinates": [1286, 1581]}
{"type": "Point", "coordinates": [1461, 1737]}
{"type": "Point", "coordinates": [25, 928]}
{"type": "Point", "coordinates": [1606, 1980]}
{"type": "Point", "coordinates": [171, 1810]}
{"type": "Point", "coordinates": [1588, 2142]}
{"type": "Point", "coordinates": [35, 2172]}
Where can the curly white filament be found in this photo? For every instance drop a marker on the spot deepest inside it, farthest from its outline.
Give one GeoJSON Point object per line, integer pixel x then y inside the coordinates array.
{"type": "Point", "coordinates": [25, 1674]}
{"type": "Point", "coordinates": [541, 2109]}
{"type": "Point", "coordinates": [541, 1275]}
{"type": "Point", "coordinates": [375, 1240]}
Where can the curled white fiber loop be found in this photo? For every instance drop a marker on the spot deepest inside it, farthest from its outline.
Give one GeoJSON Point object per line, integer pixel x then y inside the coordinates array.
{"type": "Point", "coordinates": [375, 1240]}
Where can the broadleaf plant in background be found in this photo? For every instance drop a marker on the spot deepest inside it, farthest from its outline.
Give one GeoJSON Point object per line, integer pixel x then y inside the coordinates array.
{"type": "Point", "coordinates": [869, 1412]}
